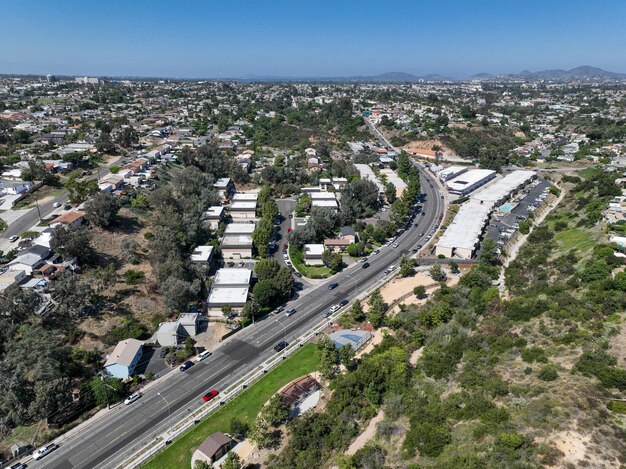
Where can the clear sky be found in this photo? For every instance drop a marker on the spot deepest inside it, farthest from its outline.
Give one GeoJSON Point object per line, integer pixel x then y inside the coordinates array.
{"type": "Point", "coordinates": [236, 38]}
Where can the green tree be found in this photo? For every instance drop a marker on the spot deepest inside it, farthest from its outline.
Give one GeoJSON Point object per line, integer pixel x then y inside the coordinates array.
{"type": "Point", "coordinates": [420, 291]}
{"type": "Point", "coordinates": [276, 411]}
{"type": "Point", "coordinates": [266, 269]}
{"type": "Point", "coordinates": [101, 209]}
{"type": "Point", "coordinates": [356, 249]}
{"type": "Point", "coordinates": [264, 293]}
{"type": "Point", "coordinates": [329, 357]}
{"type": "Point", "coordinates": [437, 273]}
{"type": "Point", "coordinates": [407, 266]}
{"type": "Point", "coordinates": [72, 241]}
{"type": "Point", "coordinates": [489, 252]}
{"type": "Point", "coordinates": [356, 311]}
{"type": "Point", "coordinates": [79, 190]}
{"type": "Point", "coordinates": [376, 311]}
{"type": "Point", "coordinates": [332, 260]}
{"type": "Point", "coordinates": [262, 236]}
{"type": "Point", "coordinates": [232, 461]}
{"type": "Point", "coordinates": [107, 390]}
{"type": "Point", "coordinates": [346, 356]}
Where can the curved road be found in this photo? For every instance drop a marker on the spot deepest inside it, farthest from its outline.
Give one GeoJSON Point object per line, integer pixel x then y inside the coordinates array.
{"type": "Point", "coordinates": [106, 441]}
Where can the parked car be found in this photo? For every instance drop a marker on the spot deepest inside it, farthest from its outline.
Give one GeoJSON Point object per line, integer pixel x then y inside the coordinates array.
{"type": "Point", "coordinates": [132, 398]}
{"type": "Point", "coordinates": [297, 274]}
{"type": "Point", "coordinates": [280, 345]}
{"type": "Point", "coordinates": [13, 238]}
{"type": "Point", "coordinates": [334, 308]}
{"type": "Point", "coordinates": [56, 204]}
{"type": "Point", "coordinates": [19, 465]}
{"type": "Point", "coordinates": [202, 355]}
{"type": "Point", "coordinates": [333, 285]}
{"type": "Point", "coordinates": [44, 451]}
{"type": "Point", "coordinates": [343, 302]}
{"type": "Point", "coordinates": [210, 395]}
{"type": "Point", "coordinates": [163, 353]}
{"type": "Point", "coordinates": [185, 366]}
{"type": "Point", "coordinates": [327, 313]}
{"type": "Point", "coordinates": [290, 312]}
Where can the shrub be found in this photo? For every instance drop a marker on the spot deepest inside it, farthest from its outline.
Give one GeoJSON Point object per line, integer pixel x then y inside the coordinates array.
{"type": "Point", "coordinates": [534, 354]}
{"type": "Point", "coordinates": [133, 277]}
{"type": "Point", "coordinates": [548, 373]}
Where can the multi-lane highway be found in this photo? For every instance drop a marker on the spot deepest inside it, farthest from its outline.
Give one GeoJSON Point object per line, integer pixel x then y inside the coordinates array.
{"type": "Point", "coordinates": [106, 441]}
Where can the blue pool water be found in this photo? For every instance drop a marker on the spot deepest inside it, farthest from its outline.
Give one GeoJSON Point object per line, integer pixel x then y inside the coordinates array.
{"type": "Point", "coordinates": [507, 208]}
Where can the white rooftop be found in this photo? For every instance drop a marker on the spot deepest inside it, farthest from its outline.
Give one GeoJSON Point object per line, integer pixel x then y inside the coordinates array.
{"type": "Point", "coordinates": [238, 205]}
{"type": "Point", "coordinates": [466, 228]}
{"type": "Point", "coordinates": [232, 276]}
{"type": "Point", "coordinates": [367, 173]}
{"type": "Point", "coordinates": [215, 211]}
{"type": "Point", "coordinates": [201, 254]}
{"type": "Point", "coordinates": [452, 171]}
{"type": "Point", "coordinates": [500, 189]}
{"type": "Point", "coordinates": [323, 196]}
{"type": "Point", "coordinates": [469, 178]}
{"type": "Point", "coordinates": [245, 197]}
{"type": "Point", "coordinates": [239, 228]}
{"type": "Point", "coordinates": [228, 295]}
{"type": "Point", "coordinates": [313, 249]}
{"type": "Point", "coordinates": [325, 203]}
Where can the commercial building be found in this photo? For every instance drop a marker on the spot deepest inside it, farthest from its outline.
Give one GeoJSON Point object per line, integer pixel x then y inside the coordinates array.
{"type": "Point", "coordinates": [462, 236]}
{"type": "Point", "coordinates": [499, 191]}
{"type": "Point", "coordinates": [324, 199]}
{"type": "Point", "coordinates": [243, 206]}
{"type": "Point", "coordinates": [313, 254]}
{"type": "Point", "coordinates": [202, 256]}
{"type": "Point", "coordinates": [237, 241]}
{"type": "Point", "coordinates": [230, 287]}
{"type": "Point", "coordinates": [470, 180]}
{"type": "Point", "coordinates": [394, 179]}
{"type": "Point", "coordinates": [124, 358]}
{"type": "Point", "coordinates": [366, 173]}
{"type": "Point", "coordinates": [214, 215]}
{"type": "Point", "coordinates": [451, 172]}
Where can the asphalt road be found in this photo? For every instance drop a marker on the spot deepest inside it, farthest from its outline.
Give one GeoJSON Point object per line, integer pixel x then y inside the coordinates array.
{"type": "Point", "coordinates": [107, 441]}
{"type": "Point", "coordinates": [27, 221]}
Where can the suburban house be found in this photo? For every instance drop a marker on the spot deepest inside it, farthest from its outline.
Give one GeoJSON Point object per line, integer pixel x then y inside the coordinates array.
{"type": "Point", "coordinates": [15, 188]}
{"type": "Point", "coordinates": [324, 199]}
{"type": "Point", "coordinates": [336, 245]}
{"type": "Point", "coordinates": [230, 287]}
{"type": "Point", "coordinates": [237, 241]}
{"type": "Point", "coordinates": [74, 218]}
{"type": "Point", "coordinates": [111, 182]}
{"type": "Point", "coordinates": [347, 233]}
{"type": "Point", "coordinates": [213, 448]}
{"type": "Point", "coordinates": [29, 259]}
{"type": "Point", "coordinates": [10, 278]}
{"type": "Point", "coordinates": [124, 358]}
{"type": "Point", "coordinates": [214, 215]}
{"type": "Point", "coordinates": [313, 254]}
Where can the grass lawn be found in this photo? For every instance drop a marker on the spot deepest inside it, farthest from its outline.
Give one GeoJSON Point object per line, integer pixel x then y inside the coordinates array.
{"type": "Point", "coordinates": [575, 238]}
{"type": "Point", "coordinates": [318, 271]}
{"type": "Point", "coordinates": [245, 406]}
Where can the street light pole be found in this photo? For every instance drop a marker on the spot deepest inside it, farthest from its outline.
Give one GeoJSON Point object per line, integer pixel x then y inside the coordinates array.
{"type": "Point", "coordinates": [169, 412]}
{"type": "Point", "coordinates": [106, 396]}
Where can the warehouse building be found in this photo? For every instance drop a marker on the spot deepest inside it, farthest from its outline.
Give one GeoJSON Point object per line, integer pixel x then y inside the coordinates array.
{"type": "Point", "coordinates": [501, 190]}
{"type": "Point", "coordinates": [451, 172]}
{"type": "Point", "coordinates": [469, 181]}
{"type": "Point", "coordinates": [462, 237]}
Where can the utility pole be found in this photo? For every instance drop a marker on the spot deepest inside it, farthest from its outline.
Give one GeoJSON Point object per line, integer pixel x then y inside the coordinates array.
{"type": "Point", "coordinates": [38, 211]}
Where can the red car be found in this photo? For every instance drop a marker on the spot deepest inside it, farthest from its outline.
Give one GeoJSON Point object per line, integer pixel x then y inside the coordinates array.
{"type": "Point", "coordinates": [288, 230]}
{"type": "Point", "coordinates": [210, 395]}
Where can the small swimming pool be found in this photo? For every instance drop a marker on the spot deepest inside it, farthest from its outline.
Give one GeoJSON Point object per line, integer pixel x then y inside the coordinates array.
{"type": "Point", "coordinates": [507, 208]}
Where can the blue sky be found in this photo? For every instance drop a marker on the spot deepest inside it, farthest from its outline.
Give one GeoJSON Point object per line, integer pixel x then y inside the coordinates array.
{"type": "Point", "coordinates": [235, 38]}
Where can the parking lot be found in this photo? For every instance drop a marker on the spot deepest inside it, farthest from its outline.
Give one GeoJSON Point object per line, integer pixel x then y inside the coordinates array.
{"type": "Point", "coordinates": [505, 223]}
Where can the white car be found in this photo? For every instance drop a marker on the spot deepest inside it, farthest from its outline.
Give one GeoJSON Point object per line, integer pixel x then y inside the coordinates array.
{"type": "Point", "coordinates": [132, 398]}
{"type": "Point", "coordinates": [56, 204]}
{"type": "Point", "coordinates": [334, 308]}
{"type": "Point", "coordinates": [44, 451]}
{"type": "Point", "coordinates": [202, 355]}
{"type": "Point", "coordinates": [13, 238]}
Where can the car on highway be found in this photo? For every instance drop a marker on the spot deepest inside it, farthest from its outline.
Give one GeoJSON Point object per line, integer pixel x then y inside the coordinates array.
{"type": "Point", "coordinates": [365, 265]}
{"type": "Point", "coordinates": [185, 366]}
{"type": "Point", "coordinates": [44, 451]}
{"type": "Point", "coordinates": [202, 356]}
{"type": "Point", "coordinates": [290, 312]}
{"type": "Point", "coordinates": [333, 285]}
{"type": "Point", "coordinates": [132, 398]}
{"type": "Point", "coordinates": [56, 204]}
{"type": "Point", "coordinates": [280, 345]}
{"type": "Point", "coordinates": [343, 302]}
{"type": "Point", "coordinates": [13, 238]}
{"type": "Point", "coordinates": [376, 251]}
{"type": "Point", "coordinates": [395, 245]}
{"type": "Point", "coordinates": [19, 465]}
{"type": "Point", "coordinates": [212, 394]}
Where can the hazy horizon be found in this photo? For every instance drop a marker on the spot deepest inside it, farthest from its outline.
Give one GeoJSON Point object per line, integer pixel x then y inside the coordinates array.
{"type": "Point", "coordinates": [322, 39]}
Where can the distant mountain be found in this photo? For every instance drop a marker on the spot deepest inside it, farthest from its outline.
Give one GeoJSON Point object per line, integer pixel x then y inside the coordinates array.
{"type": "Point", "coordinates": [585, 73]}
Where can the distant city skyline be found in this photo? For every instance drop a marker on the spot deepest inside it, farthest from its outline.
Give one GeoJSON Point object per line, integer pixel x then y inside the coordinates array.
{"type": "Point", "coordinates": [235, 39]}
